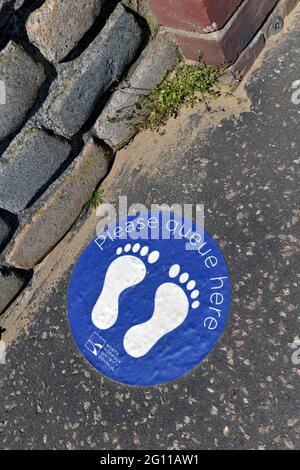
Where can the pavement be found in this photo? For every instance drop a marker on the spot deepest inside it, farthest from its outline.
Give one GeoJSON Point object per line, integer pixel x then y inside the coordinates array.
{"type": "Point", "coordinates": [245, 395]}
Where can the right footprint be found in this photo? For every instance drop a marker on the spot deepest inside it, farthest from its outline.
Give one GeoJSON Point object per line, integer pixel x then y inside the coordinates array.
{"type": "Point", "coordinates": [171, 306]}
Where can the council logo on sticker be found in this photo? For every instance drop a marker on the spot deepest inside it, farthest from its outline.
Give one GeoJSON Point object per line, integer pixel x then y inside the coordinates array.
{"type": "Point", "coordinates": [149, 301]}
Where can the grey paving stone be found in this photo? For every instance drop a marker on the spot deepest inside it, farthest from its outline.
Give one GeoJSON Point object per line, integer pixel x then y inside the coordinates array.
{"type": "Point", "coordinates": [82, 82]}
{"type": "Point", "coordinates": [10, 4]}
{"type": "Point", "coordinates": [7, 7]}
{"type": "Point", "coordinates": [57, 26]}
{"type": "Point", "coordinates": [53, 214]}
{"type": "Point", "coordinates": [144, 9]}
{"type": "Point", "coordinates": [19, 4]}
{"type": "Point", "coordinates": [11, 283]}
{"type": "Point", "coordinates": [27, 165]}
{"type": "Point", "coordinates": [118, 123]}
{"type": "Point", "coordinates": [5, 231]}
{"type": "Point", "coordinates": [21, 79]}
{"type": "Point", "coordinates": [2, 3]}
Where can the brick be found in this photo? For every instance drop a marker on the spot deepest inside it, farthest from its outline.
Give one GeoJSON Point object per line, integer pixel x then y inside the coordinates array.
{"type": "Point", "coordinates": [157, 61]}
{"type": "Point", "coordinates": [57, 26]}
{"type": "Point", "coordinates": [53, 215]}
{"type": "Point", "coordinates": [192, 45]}
{"type": "Point", "coordinates": [194, 15]}
{"type": "Point", "coordinates": [21, 78]}
{"type": "Point", "coordinates": [5, 231]}
{"type": "Point", "coordinates": [11, 282]}
{"type": "Point", "coordinates": [82, 82]}
{"type": "Point", "coordinates": [27, 165]}
{"type": "Point", "coordinates": [224, 46]}
{"type": "Point", "coordinates": [247, 58]}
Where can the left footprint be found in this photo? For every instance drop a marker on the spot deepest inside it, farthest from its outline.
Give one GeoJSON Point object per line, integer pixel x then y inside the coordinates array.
{"type": "Point", "coordinates": [124, 272]}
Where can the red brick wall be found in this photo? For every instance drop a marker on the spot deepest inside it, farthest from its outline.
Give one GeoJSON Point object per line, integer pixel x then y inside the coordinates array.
{"type": "Point", "coordinates": [221, 29]}
{"type": "Point", "coordinates": [194, 15]}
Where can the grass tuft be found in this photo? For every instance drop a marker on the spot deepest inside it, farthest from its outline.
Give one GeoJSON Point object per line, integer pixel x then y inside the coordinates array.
{"type": "Point", "coordinates": [97, 198]}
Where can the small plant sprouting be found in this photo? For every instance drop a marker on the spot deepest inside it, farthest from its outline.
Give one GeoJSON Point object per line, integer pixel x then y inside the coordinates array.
{"type": "Point", "coordinates": [97, 198]}
{"type": "Point", "coordinates": [190, 84]}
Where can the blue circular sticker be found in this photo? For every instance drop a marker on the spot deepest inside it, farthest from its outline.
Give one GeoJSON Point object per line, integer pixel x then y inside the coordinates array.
{"type": "Point", "coordinates": [149, 298]}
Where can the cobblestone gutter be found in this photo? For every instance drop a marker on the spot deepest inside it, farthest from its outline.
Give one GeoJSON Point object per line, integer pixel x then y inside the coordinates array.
{"type": "Point", "coordinates": [66, 68]}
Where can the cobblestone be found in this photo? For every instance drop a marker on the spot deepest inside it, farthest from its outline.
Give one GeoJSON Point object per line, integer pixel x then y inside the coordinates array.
{"type": "Point", "coordinates": [27, 165]}
{"type": "Point", "coordinates": [21, 77]}
{"type": "Point", "coordinates": [52, 27]}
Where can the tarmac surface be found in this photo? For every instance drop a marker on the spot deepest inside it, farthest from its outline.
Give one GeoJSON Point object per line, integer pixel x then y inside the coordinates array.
{"type": "Point", "coordinates": [245, 395]}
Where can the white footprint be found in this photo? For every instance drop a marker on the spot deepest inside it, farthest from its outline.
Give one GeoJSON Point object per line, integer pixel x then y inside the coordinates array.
{"type": "Point", "coordinates": [171, 306]}
{"type": "Point", "coordinates": [124, 272]}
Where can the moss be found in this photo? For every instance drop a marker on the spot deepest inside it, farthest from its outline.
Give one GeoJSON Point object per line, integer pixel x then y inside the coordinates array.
{"type": "Point", "coordinates": [190, 84]}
